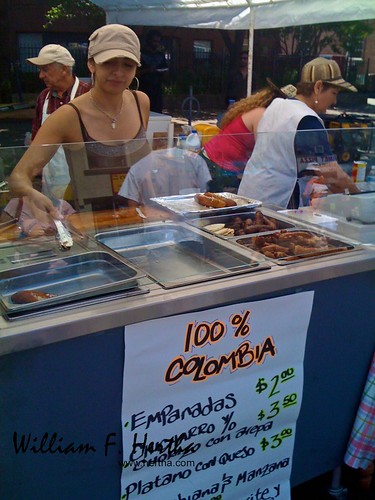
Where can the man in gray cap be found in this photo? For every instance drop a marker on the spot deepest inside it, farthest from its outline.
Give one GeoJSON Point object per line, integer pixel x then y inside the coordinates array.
{"type": "Point", "coordinates": [55, 64]}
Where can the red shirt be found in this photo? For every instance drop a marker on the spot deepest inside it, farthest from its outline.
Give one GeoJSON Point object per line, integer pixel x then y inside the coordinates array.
{"type": "Point", "coordinates": [54, 103]}
{"type": "Point", "coordinates": [231, 147]}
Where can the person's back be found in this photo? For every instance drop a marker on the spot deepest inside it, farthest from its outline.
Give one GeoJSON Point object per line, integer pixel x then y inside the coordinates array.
{"type": "Point", "coordinates": [268, 184]}
{"type": "Point", "coordinates": [292, 151]}
{"type": "Point", "coordinates": [232, 146]}
{"type": "Point", "coordinates": [227, 153]}
{"type": "Point", "coordinates": [164, 173]}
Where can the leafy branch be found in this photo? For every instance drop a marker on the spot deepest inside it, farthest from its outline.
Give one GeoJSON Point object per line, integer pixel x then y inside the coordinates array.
{"type": "Point", "coordinates": [73, 9]}
{"type": "Point", "coordinates": [310, 40]}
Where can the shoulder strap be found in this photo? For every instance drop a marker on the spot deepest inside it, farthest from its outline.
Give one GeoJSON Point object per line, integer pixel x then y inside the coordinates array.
{"type": "Point", "coordinates": [83, 129]}
{"type": "Point", "coordinates": [138, 106]}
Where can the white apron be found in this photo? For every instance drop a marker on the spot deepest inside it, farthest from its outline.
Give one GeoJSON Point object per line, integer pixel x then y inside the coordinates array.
{"type": "Point", "coordinates": [56, 176]}
{"type": "Point", "coordinates": [270, 174]}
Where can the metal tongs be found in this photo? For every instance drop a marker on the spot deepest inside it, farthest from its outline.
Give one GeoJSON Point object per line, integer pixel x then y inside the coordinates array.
{"type": "Point", "coordinates": [63, 236]}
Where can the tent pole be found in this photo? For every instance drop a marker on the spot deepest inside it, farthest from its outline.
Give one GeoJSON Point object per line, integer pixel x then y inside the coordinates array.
{"type": "Point", "coordinates": [251, 51]}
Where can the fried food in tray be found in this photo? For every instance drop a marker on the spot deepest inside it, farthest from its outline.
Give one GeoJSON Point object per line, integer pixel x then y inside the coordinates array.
{"type": "Point", "coordinates": [259, 223]}
{"type": "Point", "coordinates": [294, 245]}
{"type": "Point", "coordinates": [214, 200]}
{"type": "Point", "coordinates": [240, 224]}
{"type": "Point", "coordinates": [28, 296]}
{"type": "Point", "coordinates": [205, 203]}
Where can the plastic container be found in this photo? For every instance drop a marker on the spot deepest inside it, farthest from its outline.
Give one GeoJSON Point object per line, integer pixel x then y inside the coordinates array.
{"type": "Point", "coordinates": [359, 171]}
{"type": "Point", "coordinates": [371, 175]}
{"type": "Point", "coordinates": [180, 145]}
{"type": "Point", "coordinates": [206, 131]}
{"type": "Point", "coordinates": [181, 141]}
{"type": "Point", "coordinates": [193, 142]}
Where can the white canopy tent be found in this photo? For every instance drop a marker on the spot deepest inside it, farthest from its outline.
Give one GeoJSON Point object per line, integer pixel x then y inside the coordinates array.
{"type": "Point", "coordinates": [235, 14]}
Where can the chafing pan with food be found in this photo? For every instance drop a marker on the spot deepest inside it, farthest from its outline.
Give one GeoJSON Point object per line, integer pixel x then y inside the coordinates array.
{"type": "Point", "coordinates": [240, 224]}
{"type": "Point", "coordinates": [63, 280]}
{"type": "Point", "coordinates": [177, 254]}
{"type": "Point", "coordinates": [205, 203]}
{"type": "Point", "coordinates": [287, 246]}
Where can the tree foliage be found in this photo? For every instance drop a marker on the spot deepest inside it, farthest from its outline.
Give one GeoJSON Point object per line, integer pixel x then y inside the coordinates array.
{"type": "Point", "coordinates": [73, 9]}
{"type": "Point", "coordinates": [351, 35]}
{"type": "Point", "coordinates": [310, 40]}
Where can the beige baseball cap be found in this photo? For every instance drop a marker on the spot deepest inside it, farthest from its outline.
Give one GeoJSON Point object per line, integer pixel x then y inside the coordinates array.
{"type": "Point", "coordinates": [326, 70]}
{"type": "Point", "coordinates": [288, 91]}
{"type": "Point", "coordinates": [114, 40]}
{"type": "Point", "coordinates": [52, 53]}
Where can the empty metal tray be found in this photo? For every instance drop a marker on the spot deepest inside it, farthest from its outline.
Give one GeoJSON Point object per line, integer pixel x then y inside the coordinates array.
{"type": "Point", "coordinates": [174, 254]}
{"type": "Point", "coordinates": [238, 220]}
{"type": "Point", "coordinates": [69, 279]}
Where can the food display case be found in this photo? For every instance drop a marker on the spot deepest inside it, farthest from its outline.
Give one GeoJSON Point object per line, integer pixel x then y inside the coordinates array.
{"type": "Point", "coordinates": [240, 223]}
{"type": "Point", "coordinates": [66, 282]}
{"type": "Point", "coordinates": [175, 255]}
{"type": "Point", "coordinates": [62, 356]}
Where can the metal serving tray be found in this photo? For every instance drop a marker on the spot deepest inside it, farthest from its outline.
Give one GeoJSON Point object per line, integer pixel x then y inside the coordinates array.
{"type": "Point", "coordinates": [31, 251]}
{"type": "Point", "coordinates": [324, 245]}
{"type": "Point", "coordinates": [186, 204]}
{"type": "Point", "coordinates": [177, 254]}
{"type": "Point", "coordinates": [75, 304]}
{"type": "Point", "coordinates": [236, 221]}
{"type": "Point", "coordinates": [69, 278]}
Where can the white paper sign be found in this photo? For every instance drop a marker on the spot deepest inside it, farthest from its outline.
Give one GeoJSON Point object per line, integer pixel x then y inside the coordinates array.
{"type": "Point", "coordinates": [211, 399]}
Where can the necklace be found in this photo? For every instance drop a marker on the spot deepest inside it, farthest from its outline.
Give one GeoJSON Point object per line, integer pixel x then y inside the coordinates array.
{"type": "Point", "coordinates": [112, 118]}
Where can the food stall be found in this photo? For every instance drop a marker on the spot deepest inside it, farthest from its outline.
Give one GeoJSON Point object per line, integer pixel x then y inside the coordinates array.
{"type": "Point", "coordinates": [62, 358]}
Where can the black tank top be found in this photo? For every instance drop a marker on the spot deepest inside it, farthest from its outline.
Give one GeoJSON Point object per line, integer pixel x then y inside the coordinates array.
{"type": "Point", "coordinates": [117, 156]}
{"type": "Point", "coordinates": [103, 161]}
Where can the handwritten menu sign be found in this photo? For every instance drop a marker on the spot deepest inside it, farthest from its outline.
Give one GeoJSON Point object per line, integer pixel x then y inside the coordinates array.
{"type": "Point", "coordinates": [211, 399]}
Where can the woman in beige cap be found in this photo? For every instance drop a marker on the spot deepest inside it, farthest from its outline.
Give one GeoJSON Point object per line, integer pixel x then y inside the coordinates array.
{"type": "Point", "coordinates": [292, 161]}
{"type": "Point", "coordinates": [109, 112]}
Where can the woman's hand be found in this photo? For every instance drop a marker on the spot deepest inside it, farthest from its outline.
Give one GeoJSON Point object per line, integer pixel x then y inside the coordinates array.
{"type": "Point", "coordinates": [35, 232]}
{"type": "Point", "coordinates": [336, 179]}
{"type": "Point", "coordinates": [39, 202]}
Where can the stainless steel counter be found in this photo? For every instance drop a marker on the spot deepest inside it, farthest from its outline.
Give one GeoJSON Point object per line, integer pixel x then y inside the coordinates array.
{"type": "Point", "coordinates": [215, 284]}
{"type": "Point", "coordinates": [29, 333]}
{"type": "Point", "coordinates": [65, 369]}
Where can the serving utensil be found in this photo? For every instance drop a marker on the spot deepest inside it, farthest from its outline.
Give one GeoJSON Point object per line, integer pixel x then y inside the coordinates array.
{"type": "Point", "coordinates": [63, 236]}
{"type": "Point", "coordinates": [140, 213]}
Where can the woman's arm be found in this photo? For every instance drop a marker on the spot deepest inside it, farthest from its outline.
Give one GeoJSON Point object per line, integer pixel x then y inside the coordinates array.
{"type": "Point", "coordinates": [311, 141]}
{"type": "Point", "coordinates": [252, 118]}
{"type": "Point", "coordinates": [55, 130]}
